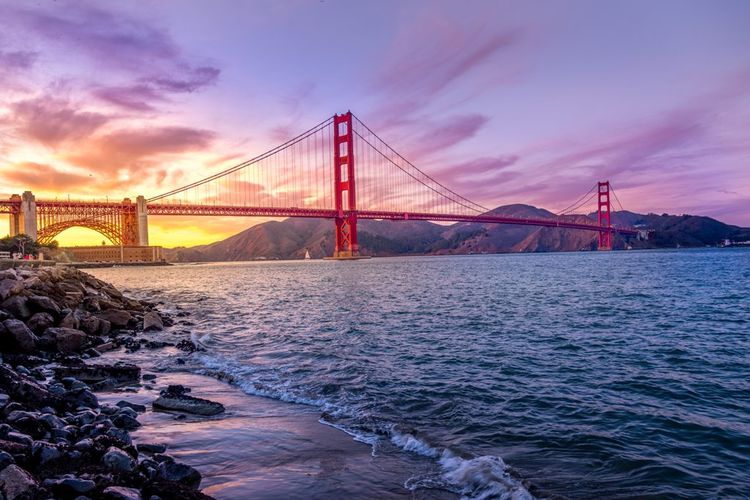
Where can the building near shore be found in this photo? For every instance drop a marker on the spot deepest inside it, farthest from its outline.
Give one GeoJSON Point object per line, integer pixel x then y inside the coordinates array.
{"type": "Point", "coordinates": [110, 253]}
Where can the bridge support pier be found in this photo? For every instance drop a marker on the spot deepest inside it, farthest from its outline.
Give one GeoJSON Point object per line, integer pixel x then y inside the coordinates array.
{"type": "Point", "coordinates": [344, 188]}
{"type": "Point", "coordinates": [141, 211]}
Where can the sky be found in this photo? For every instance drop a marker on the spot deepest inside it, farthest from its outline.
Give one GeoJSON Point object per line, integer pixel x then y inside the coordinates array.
{"type": "Point", "coordinates": [505, 102]}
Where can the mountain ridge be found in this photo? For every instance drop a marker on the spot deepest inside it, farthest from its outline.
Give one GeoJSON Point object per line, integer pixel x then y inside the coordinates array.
{"type": "Point", "coordinates": [292, 238]}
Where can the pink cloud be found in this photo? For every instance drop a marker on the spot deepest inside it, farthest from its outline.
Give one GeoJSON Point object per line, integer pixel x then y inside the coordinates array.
{"type": "Point", "coordinates": [52, 121]}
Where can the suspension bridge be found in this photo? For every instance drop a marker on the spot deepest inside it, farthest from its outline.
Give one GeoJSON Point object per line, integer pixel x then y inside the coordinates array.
{"type": "Point", "coordinates": [339, 170]}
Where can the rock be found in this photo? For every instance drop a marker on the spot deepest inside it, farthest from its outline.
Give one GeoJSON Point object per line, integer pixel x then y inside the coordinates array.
{"type": "Point", "coordinates": [70, 486]}
{"type": "Point", "coordinates": [17, 335]}
{"type": "Point", "coordinates": [69, 320]}
{"type": "Point", "coordinates": [66, 340]}
{"type": "Point", "coordinates": [121, 436]}
{"type": "Point", "coordinates": [126, 422]}
{"type": "Point", "coordinates": [180, 473]}
{"type": "Point", "coordinates": [174, 398]}
{"type": "Point", "coordinates": [17, 306]}
{"type": "Point", "coordinates": [27, 390]}
{"type": "Point", "coordinates": [6, 459]}
{"type": "Point", "coordinates": [118, 461]}
{"type": "Point", "coordinates": [149, 376]}
{"type": "Point", "coordinates": [152, 321]}
{"type": "Point", "coordinates": [117, 317]}
{"type": "Point", "coordinates": [81, 397]}
{"type": "Point", "coordinates": [10, 286]}
{"type": "Point", "coordinates": [122, 493]}
{"type": "Point", "coordinates": [120, 372]}
{"type": "Point", "coordinates": [44, 304]}
{"type": "Point", "coordinates": [40, 321]}
{"type": "Point", "coordinates": [151, 447]}
{"type": "Point", "coordinates": [135, 406]}
{"type": "Point", "coordinates": [13, 448]}
{"type": "Point", "coordinates": [90, 324]}
{"type": "Point", "coordinates": [17, 483]}
{"type": "Point", "coordinates": [186, 346]}
{"type": "Point", "coordinates": [45, 452]}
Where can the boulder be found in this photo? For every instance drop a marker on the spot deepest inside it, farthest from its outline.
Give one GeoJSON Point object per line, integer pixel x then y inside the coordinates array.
{"type": "Point", "coordinates": [174, 398]}
{"type": "Point", "coordinates": [120, 372]}
{"type": "Point", "coordinates": [69, 320]}
{"type": "Point", "coordinates": [10, 286]}
{"type": "Point", "coordinates": [40, 321]}
{"type": "Point", "coordinates": [17, 306]}
{"type": "Point", "coordinates": [27, 390]}
{"type": "Point", "coordinates": [151, 448]}
{"type": "Point", "coordinates": [6, 459]}
{"type": "Point", "coordinates": [70, 486]}
{"type": "Point", "coordinates": [152, 321]}
{"type": "Point", "coordinates": [66, 340]}
{"type": "Point", "coordinates": [17, 335]}
{"type": "Point", "coordinates": [44, 304]}
{"type": "Point", "coordinates": [118, 461]}
{"type": "Point", "coordinates": [118, 318]}
{"type": "Point", "coordinates": [17, 483]}
{"type": "Point", "coordinates": [122, 493]}
{"type": "Point", "coordinates": [134, 406]}
{"type": "Point", "coordinates": [180, 473]}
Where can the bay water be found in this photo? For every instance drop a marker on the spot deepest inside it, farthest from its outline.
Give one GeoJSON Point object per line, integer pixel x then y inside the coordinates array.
{"type": "Point", "coordinates": [566, 375]}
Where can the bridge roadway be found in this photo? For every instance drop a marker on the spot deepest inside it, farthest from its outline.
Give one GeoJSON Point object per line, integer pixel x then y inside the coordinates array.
{"type": "Point", "coordinates": [77, 207]}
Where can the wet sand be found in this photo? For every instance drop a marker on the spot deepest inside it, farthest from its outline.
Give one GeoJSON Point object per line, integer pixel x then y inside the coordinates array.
{"type": "Point", "coordinates": [266, 449]}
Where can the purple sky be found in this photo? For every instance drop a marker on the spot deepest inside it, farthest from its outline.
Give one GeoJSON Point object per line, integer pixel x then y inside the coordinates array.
{"type": "Point", "coordinates": [505, 102]}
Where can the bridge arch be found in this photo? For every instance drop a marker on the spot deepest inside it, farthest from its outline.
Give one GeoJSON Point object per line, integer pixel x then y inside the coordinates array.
{"type": "Point", "coordinates": [112, 232]}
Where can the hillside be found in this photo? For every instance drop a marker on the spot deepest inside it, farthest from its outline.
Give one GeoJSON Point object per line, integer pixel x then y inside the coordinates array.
{"type": "Point", "coordinates": [290, 238]}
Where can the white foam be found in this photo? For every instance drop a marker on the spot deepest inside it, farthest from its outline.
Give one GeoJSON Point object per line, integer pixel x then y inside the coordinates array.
{"type": "Point", "coordinates": [478, 478]}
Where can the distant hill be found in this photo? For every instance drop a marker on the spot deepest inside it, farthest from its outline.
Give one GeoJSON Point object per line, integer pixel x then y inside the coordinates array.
{"type": "Point", "coordinates": [291, 238]}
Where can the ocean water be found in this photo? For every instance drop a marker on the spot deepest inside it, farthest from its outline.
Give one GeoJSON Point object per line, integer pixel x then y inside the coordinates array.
{"type": "Point", "coordinates": [570, 375]}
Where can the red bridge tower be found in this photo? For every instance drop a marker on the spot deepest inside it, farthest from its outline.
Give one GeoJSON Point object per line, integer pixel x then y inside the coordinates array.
{"type": "Point", "coordinates": [605, 237]}
{"type": "Point", "coordinates": [344, 188]}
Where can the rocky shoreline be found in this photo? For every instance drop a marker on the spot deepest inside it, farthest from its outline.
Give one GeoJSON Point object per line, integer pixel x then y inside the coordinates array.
{"type": "Point", "coordinates": [56, 439]}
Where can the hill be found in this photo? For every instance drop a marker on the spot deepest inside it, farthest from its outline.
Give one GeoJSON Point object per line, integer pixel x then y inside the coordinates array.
{"type": "Point", "coordinates": [291, 238]}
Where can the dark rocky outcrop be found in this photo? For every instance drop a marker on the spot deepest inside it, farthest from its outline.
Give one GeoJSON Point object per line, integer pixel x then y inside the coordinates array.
{"type": "Point", "coordinates": [175, 398]}
{"type": "Point", "coordinates": [56, 439]}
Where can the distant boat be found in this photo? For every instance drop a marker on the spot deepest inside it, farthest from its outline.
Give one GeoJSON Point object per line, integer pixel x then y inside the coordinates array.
{"type": "Point", "coordinates": [307, 255]}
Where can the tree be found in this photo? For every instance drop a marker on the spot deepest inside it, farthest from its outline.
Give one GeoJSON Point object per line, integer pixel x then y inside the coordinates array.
{"type": "Point", "coordinates": [24, 244]}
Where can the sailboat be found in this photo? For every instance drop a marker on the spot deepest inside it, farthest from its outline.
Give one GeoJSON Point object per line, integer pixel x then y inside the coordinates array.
{"type": "Point", "coordinates": [307, 255]}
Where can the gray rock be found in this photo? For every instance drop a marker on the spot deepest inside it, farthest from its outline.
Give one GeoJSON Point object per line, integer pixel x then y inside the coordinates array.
{"type": "Point", "coordinates": [17, 483]}
{"type": "Point", "coordinates": [17, 306]}
{"type": "Point", "coordinates": [69, 320]}
{"type": "Point", "coordinates": [67, 340]}
{"type": "Point", "coordinates": [133, 406]}
{"type": "Point", "coordinates": [120, 372]}
{"type": "Point", "coordinates": [151, 447]}
{"type": "Point", "coordinates": [121, 435]}
{"type": "Point", "coordinates": [70, 485]}
{"type": "Point", "coordinates": [152, 321]}
{"type": "Point", "coordinates": [45, 452]}
{"type": "Point", "coordinates": [52, 421]}
{"type": "Point", "coordinates": [44, 304]}
{"type": "Point", "coordinates": [117, 317]}
{"type": "Point", "coordinates": [181, 473]}
{"type": "Point", "coordinates": [118, 461]}
{"type": "Point", "coordinates": [174, 398]}
{"type": "Point", "coordinates": [126, 422]}
{"type": "Point", "coordinates": [10, 286]}
{"type": "Point", "coordinates": [122, 493]}
{"type": "Point", "coordinates": [18, 335]}
{"type": "Point", "coordinates": [5, 460]}
{"type": "Point", "coordinates": [40, 321]}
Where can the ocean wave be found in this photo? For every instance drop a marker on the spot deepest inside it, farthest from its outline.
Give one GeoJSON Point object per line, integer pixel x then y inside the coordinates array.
{"type": "Point", "coordinates": [476, 478]}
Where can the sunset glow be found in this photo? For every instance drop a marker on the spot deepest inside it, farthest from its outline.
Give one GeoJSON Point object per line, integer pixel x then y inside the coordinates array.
{"type": "Point", "coordinates": [510, 103]}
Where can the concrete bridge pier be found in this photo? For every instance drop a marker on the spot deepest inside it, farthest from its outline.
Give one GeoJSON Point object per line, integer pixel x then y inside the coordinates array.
{"type": "Point", "coordinates": [24, 221]}
{"type": "Point", "coordinates": [141, 212]}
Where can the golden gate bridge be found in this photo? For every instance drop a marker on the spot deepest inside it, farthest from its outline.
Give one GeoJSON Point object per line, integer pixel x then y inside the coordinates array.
{"type": "Point", "coordinates": [339, 169]}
